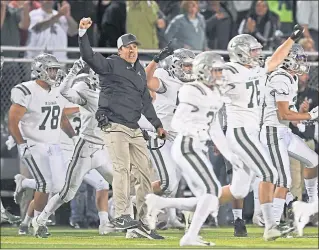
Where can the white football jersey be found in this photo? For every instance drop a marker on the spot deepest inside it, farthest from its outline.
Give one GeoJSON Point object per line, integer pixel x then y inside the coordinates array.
{"type": "Point", "coordinates": [166, 97]}
{"type": "Point", "coordinates": [89, 127]}
{"type": "Point", "coordinates": [198, 106]}
{"type": "Point", "coordinates": [281, 87]}
{"type": "Point", "coordinates": [41, 122]}
{"type": "Point", "coordinates": [246, 87]}
{"type": "Point", "coordinates": [75, 121]}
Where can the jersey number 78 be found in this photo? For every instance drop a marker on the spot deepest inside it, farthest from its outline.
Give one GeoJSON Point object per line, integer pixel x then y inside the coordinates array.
{"type": "Point", "coordinates": [55, 113]}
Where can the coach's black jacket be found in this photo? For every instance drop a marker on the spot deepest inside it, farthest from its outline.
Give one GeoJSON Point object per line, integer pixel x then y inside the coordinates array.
{"type": "Point", "coordinates": [124, 94]}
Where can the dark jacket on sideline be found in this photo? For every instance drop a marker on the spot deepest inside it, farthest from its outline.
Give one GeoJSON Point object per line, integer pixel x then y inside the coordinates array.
{"type": "Point", "coordinates": [124, 94]}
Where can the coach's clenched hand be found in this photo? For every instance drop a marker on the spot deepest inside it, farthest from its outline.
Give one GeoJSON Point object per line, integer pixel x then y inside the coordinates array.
{"type": "Point", "coordinates": [161, 133]}
{"type": "Point", "coordinates": [85, 23]}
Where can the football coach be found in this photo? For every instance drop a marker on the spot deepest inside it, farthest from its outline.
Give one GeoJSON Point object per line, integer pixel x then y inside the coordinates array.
{"type": "Point", "coordinates": [124, 96]}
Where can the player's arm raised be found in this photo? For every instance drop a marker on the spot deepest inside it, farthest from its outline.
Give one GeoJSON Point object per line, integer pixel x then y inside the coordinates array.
{"type": "Point", "coordinates": [153, 83]}
{"type": "Point", "coordinates": [283, 50]}
{"type": "Point", "coordinates": [65, 87]}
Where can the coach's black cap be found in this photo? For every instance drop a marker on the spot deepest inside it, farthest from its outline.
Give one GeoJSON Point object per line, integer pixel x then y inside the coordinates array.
{"type": "Point", "coordinates": [126, 39]}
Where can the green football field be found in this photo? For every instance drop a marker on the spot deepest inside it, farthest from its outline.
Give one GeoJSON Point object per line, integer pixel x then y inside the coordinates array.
{"type": "Point", "coordinates": [223, 237]}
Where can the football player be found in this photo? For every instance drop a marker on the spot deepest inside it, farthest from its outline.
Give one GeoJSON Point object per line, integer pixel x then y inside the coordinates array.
{"type": "Point", "coordinates": [196, 123]}
{"type": "Point", "coordinates": [89, 152]}
{"type": "Point", "coordinates": [175, 71]}
{"type": "Point", "coordinates": [247, 76]}
{"type": "Point", "coordinates": [35, 118]}
{"type": "Point", "coordinates": [278, 111]}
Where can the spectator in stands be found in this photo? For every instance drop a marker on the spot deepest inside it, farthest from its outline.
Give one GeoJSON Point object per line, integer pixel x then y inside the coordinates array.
{"type": "Point", "coordinates": [307, 16]}
{"type": "Point", "coordinates": [189, 29]}
{"type": "Point", "coordinates": [13, 19]}
{"type": "Point", "coordinates": [218, 26]}
{"type": "Point", "coordinates": [242, 9]}
{"type": "Point", "coordinates": [49, 29]}
{"type": "Point", "coordinates": [112, 21]}
{"type": "Point", "coordinates": [170, 9]}
{"type": "Point", "coordinates": [19, 4]}
{"type": "Point", "coordinates": [260, 23]}
{"type": "Point", "coordinates": [285, 11]}
{"type": "Point", "coordinates": [142, 21]}
{"type": "Point", "coordinates": [79, 9]}
{"type": "Point", "coordinates": [309, 46]}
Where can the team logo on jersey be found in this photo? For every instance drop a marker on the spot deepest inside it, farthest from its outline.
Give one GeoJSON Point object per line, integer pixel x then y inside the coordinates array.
{"type": "Point", "coordinates": [139, 73]}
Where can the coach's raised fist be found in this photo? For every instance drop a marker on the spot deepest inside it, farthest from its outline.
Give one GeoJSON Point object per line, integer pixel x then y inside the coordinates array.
{"type": "Point", "coordinates": [85, 23]}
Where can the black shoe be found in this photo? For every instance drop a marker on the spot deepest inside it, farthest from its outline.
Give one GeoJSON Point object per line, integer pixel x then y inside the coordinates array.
{"type": "Point", "coordinates": [143, 231]}
{"type": "Point", "coordinates": [240, 228]}
{"type": "Point", "coordinates": [125, 222]}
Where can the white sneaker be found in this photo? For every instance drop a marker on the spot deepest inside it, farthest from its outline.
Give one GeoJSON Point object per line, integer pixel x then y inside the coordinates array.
{"type": "Point", "coordinates": [301, 216]}
{"type": "Point", "coordinates": [272, 233]}
{"type": "Point", "coordinates": [152, 201]}
{"type": "Point", "coordinates": [106, 228]}
{"type": "Point", "coordinates": [194, 241]}
{"type": "Point", "coordinates": [17, 196]}
{"type": "Point", "coordinates": [258, 220]}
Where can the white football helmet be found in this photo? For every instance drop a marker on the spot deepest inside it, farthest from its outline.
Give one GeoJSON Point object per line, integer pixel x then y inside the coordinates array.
{"type": "Point", "coordinates": [208, 67]}
{"type": "Point", "coordinates": [46, 67]}
{"type": "Point", "coordinates": [296, 61]}
{"type": "Point", "coordinates": [179, 65]}
{"type": "Point", "coordinates": [246, 50]}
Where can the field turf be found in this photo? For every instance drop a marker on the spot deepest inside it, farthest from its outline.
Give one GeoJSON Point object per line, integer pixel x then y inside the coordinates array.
{"type": "Point", "coordinates": [64, 237]}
